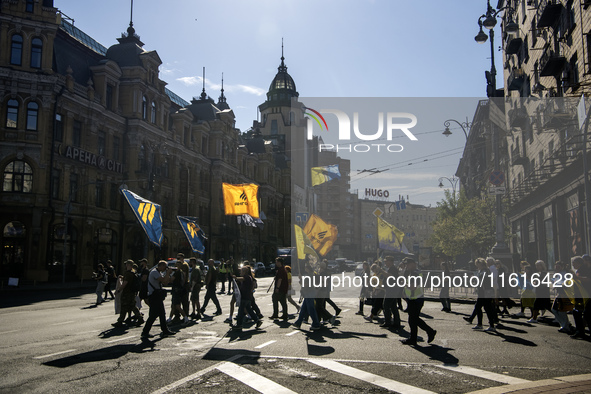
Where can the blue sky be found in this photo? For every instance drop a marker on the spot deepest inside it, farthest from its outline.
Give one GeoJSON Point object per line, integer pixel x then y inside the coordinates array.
{"type": "Point", "coordinates": [333, 48]}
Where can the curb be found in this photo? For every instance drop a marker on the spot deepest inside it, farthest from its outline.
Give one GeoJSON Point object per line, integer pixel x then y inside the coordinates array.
{"type": "Point", "coordinates": [565, 384]}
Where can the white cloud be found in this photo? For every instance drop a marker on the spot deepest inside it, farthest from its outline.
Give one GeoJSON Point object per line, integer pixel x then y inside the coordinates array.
{"type": "Point", "coordinates": [211, 86]}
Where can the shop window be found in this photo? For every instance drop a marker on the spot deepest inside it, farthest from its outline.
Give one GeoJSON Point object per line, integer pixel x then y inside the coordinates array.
{"type": "Point", "coordinates": [18, 177]}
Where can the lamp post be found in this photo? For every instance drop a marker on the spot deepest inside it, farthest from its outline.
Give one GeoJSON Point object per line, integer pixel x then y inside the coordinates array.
{"type": "Point", "coordinates": [500, 250]}
{"type": "Point", "coordinates": [453, 181]}
{"type": "Point", "coordinates": [464, 125]}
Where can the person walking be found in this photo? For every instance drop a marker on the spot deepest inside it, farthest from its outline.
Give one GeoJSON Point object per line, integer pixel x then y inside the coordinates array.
{"type": "Point", "coordinates": [280, 291]}
{"type": "Point", "coordinates": [415, 300]}
{"type": "Point", "coordinates": [290, 290]}
{"type": "Point", "coordinates": [444, 292]}
{"type": "Point", "coordinates": [156, 296]}
{"type": "Point", "coordinates": [365, 292]}
{"type": "Point", "coordinates": [210, 287]}
{"type": "Point", "coordinates": [101, 280]}
{"type": "Point", "coordinates": [128, 293]}
{"type": "Point", "coordinates": [223, 271]}
{"type": "Point", "coordinates": [485, 298]}
{"type": "Point", "coordinates": [392, 293]}
{"type": "Point", "coordinates": [196, 281]}
{"type": "Point", "coordinates": [246, 285]}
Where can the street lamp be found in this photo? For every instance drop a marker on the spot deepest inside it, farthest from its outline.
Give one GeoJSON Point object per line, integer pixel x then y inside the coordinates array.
{"type": "Point", "coordinates": [500, 250]}
{"type": "Point", "coordinates": [453, 181]}
{"type": "Point", "coordinates": [464, 125]}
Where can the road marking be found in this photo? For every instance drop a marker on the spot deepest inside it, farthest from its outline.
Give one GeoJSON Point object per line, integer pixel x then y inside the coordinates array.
{"type": "Point", "coordinates": [292, 333]}
{"type": "Point", "coordinates": [346, 310]}
{"type": "Point", "coordinates": [196, 375]}
{"type": "Point", "coordinates": [104, 317]}
{"type": "Point", "coordinates": [249, 378]}
{"type": "Point", "coordinates": [62, 323]}
{"type": "Point", "coordinates": [483, 374]}
{"type": "Point", "coordinates": [264, 344]}
{"type": "Point", "coordinates": [122, 339]}
{"type": "Point", "coordinates": [54, 354]}
{"type": "Point", "coordinates": [377, 380]}
{"type": "Point", "coordinates": [89, 332]}
{"type": "Point", "coordinates": [8, 332]}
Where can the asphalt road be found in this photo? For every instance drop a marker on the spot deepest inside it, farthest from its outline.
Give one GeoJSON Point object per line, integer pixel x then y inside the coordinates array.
{"type": "Point", "coordinates": [62, 343]}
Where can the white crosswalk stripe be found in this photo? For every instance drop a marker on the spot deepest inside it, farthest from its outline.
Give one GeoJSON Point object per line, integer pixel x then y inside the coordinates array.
{"type": "Point", "coordinates": [483, 374]}
{"type": "Point", "coordinates": [369, 377]}
{"type": "Point", "coordinates": [256, 381]}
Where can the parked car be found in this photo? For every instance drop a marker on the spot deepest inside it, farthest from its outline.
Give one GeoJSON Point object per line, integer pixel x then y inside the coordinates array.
{"type": "Point", "coordinates": [332, 267]}
{"type": "Point", "coordinates": [350, 265]}
{"type": "Point", "coordinates": [259, 269]}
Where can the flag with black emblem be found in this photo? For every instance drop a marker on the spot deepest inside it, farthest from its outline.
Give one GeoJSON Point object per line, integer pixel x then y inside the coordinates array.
{"type": "Point", "coordinates": [241, 199]}
{"type": "Point", "coordinates": [148, 215]}
{"type": "Point", "coordinates": [322, 235]}
{"type": "Point", "coordinates": [194, 233]}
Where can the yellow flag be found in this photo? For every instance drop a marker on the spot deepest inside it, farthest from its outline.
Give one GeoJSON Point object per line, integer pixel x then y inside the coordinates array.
{"type": "Point", "coordinates": [241, 199]}
{"type": "Point", "coordinates": [389, 237]}
{"type": "Point", "coordinates": [322, 234]}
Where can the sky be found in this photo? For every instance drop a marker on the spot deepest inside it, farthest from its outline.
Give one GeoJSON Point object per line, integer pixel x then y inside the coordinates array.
{"type": "Point", "coordinates": [332, 48]}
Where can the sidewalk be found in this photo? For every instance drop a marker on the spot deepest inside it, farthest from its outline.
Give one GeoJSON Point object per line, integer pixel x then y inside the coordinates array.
{"type": "Point", "coordinates": [566, 384]}
{"type": "Point", "coordinates": [45, 286]}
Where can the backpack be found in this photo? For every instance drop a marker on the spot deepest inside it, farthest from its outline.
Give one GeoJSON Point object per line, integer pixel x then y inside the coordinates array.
{"type": "Point", "coordinates": [137, 283]}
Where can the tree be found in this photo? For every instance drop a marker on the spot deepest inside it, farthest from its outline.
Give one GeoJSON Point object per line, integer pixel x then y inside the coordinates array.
{"type": "Point", "coordinates": [464, 225]}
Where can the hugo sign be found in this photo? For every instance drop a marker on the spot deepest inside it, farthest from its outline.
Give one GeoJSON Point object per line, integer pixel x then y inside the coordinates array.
{"type": "Point", "coordinates": [377, 193]}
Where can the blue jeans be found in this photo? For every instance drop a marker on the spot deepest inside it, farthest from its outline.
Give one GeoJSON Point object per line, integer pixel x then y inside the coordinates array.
{"type": "Point", "coordinates": [308, 309]}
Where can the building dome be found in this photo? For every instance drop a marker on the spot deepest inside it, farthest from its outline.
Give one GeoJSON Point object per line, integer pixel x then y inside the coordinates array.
{"type": "Point", "coordinates": [282, 88]}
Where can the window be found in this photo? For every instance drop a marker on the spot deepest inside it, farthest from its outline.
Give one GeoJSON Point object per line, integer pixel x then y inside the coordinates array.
{"type": "Point", "coordinates": [116, 144]}
{"type": "Point", "coordinates": [32, 114]}
{"type": "Point", "coordinates": [36, 51]}
{"type": "Point", "coordinates": [109, 98]}
{"type": "Point", "coordinates": [153, 114]}
{"type": "Point", "coordinates": [74, 187]}
{"type": "Point", "coordinates": [274, 127]}
{"type": "Point", "coordinates": [144, 108]}
{"type": "Point", "coordinates": [59, 128]}
{"type": "Point", "coordinates": [113, 198]}
{"type": "Point", "coordinates": [56, 176]}
{"type": "Point", "coordinates": [101, 143]}
{"type": "Point", "coordinates": [30, 6]}
{"type": "Point", "coordinates": [99, 197]}
{"type": "Point", "coordinates": [77, 134]}
{"type": "Point", "coordinates": [18, 177]}
{"type": "Point", "coordinates": [12, 114]}
{"type": "Point", "coordinates": [16, 50]}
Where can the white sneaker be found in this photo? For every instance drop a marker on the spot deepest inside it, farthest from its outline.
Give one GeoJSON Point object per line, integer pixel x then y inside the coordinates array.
{"type": "Point", "coordinates": [477, 327]}
{"type": "Point", "coordinates": [491, 329]}
{"type": "Point", "coordinates": [532, 320]}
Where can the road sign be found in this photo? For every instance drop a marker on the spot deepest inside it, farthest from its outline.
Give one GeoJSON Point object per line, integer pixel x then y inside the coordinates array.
{"type": "Point", "coordinates": [378, 212]}
{"type": "Point", "coordinates": [301, 218]}
{"type": "Point", "coordinates": [497, 190]}
{"type": "Point", "coordinates": [497, 177]}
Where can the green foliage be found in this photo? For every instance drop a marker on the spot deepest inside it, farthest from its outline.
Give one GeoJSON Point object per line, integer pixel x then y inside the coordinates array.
{"type": "Point", "coordinates": [464, 225]}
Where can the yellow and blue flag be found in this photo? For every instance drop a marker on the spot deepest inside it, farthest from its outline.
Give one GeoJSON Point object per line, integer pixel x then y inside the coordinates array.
{"type": "Point", "coordinates": [241, 199]}
{"type": "Point", "coordinates": [325, 174]}
{"type": "Point", "coordinates": [389, 237]}
{"type": "Point", "coordinates": [194, 233]}
{"type": "Point", "coordinates": [148, 214]}
{"type": "Point", "coordinates": [321, 234]}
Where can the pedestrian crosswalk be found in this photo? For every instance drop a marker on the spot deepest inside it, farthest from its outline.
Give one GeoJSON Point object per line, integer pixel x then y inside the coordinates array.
{"type": "Point", "coordinates": [276, 375]}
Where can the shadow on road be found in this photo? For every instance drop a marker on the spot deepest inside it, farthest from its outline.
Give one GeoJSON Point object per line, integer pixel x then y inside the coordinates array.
{"type": "Point", "coordinates": [107, 353]}
{"type": "Point", "coordinates": [18, 297]}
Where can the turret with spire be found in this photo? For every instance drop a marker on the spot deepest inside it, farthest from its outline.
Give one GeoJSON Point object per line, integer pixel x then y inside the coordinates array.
{"type": "Point", "coordinates": [222, 104]}
{"type": "Point", "coordinates": [282, 88]}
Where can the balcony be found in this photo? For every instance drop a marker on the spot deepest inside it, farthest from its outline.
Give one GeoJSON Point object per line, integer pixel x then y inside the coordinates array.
{"type": "Point", "coordinates": [517, 159]}
{"type": "Point", "coordinates": [516, 79]}
{"type": "Point", "coordinates": [513, 46]}
{"type": "Point", "coordinates": [518, 117]}
{"type": "Point", "coordinates": [548, 12]}
{"type": "Point", "coordinates": [551, 63]}
{"type": "Point", "coordinates": [558, 114]}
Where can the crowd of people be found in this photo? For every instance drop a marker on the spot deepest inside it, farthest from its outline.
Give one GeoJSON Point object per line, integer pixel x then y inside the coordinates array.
{"type": "Point", "coordinates": [139, 285]}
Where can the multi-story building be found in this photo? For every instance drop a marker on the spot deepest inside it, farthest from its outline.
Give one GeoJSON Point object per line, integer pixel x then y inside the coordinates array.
{"type": "Point", "coordinates": [547, 68]}
{"type": "Point", "coordinates": [79, 121]}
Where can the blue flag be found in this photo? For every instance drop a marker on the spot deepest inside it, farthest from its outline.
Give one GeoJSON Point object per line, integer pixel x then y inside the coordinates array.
{"type": "Point", "coordinates": [148, 214]}
{"type": "Point", "coordinates": [194, 234]}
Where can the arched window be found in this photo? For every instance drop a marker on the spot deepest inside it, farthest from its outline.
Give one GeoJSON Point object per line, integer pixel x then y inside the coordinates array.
{"type": "Point", "coordinates": [12, 114]}
{"type": "Point", "coordinates": [16, 50]}
{"type": "Point", "coordinates": [144, 108]}
{"type": "Point", "coordinates": [153, 112]}
{"type": "Point", "coordinates": [32, 114]}
{"type": "Point", "coordinates": [18, 177]}
{"type": "Point", "coordinates": [36, 50]}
